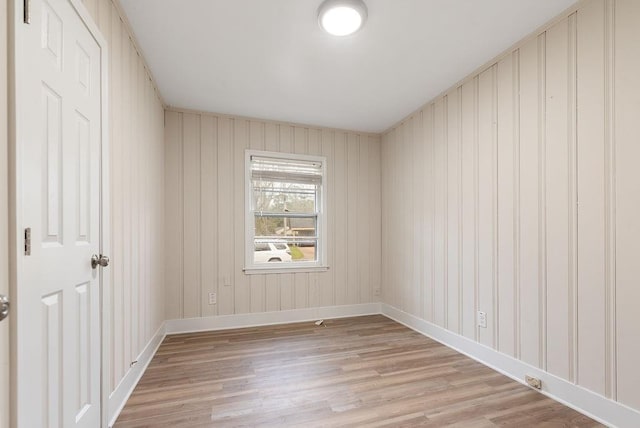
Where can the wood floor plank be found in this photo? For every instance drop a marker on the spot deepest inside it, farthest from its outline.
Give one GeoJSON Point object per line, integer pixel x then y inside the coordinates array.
{"type": "Point", "coordinates": [362, 371]}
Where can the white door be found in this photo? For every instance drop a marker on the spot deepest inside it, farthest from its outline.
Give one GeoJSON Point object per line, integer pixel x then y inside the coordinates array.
{"type": "Point", "coordinates": [58, 143]}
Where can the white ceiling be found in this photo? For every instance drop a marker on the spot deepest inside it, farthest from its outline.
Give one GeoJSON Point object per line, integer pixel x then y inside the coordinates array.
{"type": "Point", "coordinates": [269, 59]}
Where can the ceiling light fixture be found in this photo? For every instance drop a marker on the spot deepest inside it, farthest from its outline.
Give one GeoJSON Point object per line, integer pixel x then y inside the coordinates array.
{"type": "Point", "coordinates": [342, 17]}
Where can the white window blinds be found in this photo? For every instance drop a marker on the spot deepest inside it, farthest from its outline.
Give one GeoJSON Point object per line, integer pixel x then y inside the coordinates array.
{"type": "Point", "coordinates": [285, 171]}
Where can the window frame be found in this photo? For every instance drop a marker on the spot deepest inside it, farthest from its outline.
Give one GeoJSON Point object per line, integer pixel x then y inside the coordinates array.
{"type": "Point", "coordinates": [320, 264]}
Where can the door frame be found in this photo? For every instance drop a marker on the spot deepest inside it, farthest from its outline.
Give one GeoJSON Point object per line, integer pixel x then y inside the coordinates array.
{"type": "Point", "coordinates": [16, 225]}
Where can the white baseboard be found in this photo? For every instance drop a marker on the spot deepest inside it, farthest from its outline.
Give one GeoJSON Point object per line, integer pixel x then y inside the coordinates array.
{"type": "Point", "coordinates": [224, 322]}
{"type": "Point", "coordinates": [121, 394]}
{"type": "Point", "coordinates": [600, 408]}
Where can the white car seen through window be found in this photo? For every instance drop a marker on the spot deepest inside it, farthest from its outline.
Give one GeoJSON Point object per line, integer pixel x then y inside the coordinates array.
{"type": "Point", "coordinates": [271, 251]}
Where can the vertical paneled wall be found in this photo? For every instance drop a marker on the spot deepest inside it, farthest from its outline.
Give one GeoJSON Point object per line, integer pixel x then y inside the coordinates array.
{"type": "Point", "coordinates": [517, 193]}
{"type": "Point", "coordinates": [136, 129]}
{"type": "Point", "coordinates": [205, 217]}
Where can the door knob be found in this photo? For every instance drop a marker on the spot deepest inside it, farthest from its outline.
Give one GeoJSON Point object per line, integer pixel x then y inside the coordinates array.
{"type": "Point", "coordinates": [4, 307]}
{"type": "Point", "coordinates": [99, 261]}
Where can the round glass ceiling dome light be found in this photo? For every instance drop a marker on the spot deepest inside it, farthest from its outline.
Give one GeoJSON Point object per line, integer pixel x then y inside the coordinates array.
{"type": "Point", "coordinates": [342, 17]}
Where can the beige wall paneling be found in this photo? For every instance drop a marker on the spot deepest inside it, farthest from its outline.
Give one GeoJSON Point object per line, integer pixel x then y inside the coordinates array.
{"type": "Point", "coordinates": [404, 228]}
{"type": "Point", "coordinates": [391, 285]}
{"type": "Point", "coordinates": [430, 161]}
{"type": "Point", "coordinates": [205, 161]}
{"type": "Point", "coordinates": [117, 183]}
{"type": "Point", "coordinates": [591, 196]}
{"type": "Point", "coordinates": [440, 211]}
{"type": "Point", "coordinates": [154, 210]}
{"type": "Point", "coordinates": [374, 214]}
{"type": "Point", "coordinates": [209, 213]}
{"type": "Point", "coordinates": [144, 295]}
{"type": "Point", "coordinates": [225, 239]}
{"type": "Point", "coordinates": [429, 203]}
{"type": "Point", "coordinates": [340, 206]}
{"type": "Point", "coordinates": [390, 257]}
{"type": "Point", "coordinates": [173, 214]}
{"type": "Point", "coordinates": [397, 231]}
{"type": "Point", "coordinates": [560, 203]}
{"type": "Point", "coordinates": [143, 173]}
{"type": "Point", "coordinates": [136, 197]}
{"type": "Point", "coordinates": [408, 232]}
{"type": "Point", "coordinates": [353, 149]}
{"type": "Point", "coordinates": [627, 200]}
{"type": "Point", "coordinates": [454, 207]}
{"type": "Point", "coordinates": [145, 213]}
{"type": "Point", "coordinates": [386, 174]}
{"type": "Point", "coordinates": [419, 219]}
{"type": "Point", "coordinates": [158, 223]}
{"type": "Point", "coordinates": [507, 77]}
{"type": "Point", "coordinates": [398, 228]}
{"type": "Point", "coordinates": [529, 251]}
{"type": "Point", "coordinates": [486, 182]}
{"type": "Point", "coordinates": [137, 164]}
{"type": "Point", "coordinates": [363, 241]}
{"type": "Point", "coordinates": [149, 209]}
{"type": "Point", "coordinates": [191, 212]}
{"type": "Point", "coordinates": [413, 205]}
{"type": "Point", "coordinates": [469, 226]}
{"type": "Point", "coordinates": [530, 212]}
{"type": "Point", "coordinates": [4, 216]}
{"type": "Point", "coordinates": [425, 184]}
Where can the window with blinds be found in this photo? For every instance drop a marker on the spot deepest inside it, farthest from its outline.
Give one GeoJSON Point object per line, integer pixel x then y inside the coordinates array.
{"type": "Point", "coordinates": [285, 201]}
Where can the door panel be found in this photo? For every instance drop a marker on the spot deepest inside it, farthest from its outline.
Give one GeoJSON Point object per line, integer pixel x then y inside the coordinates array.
{"type": "Point", "coordinates": [58, 131]}
{"type": "Point", "coordinates": [4, 219]}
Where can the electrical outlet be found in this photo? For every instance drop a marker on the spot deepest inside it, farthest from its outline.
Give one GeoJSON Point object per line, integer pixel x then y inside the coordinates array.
{"type": "Point", "coordinates": [213, 298]}
{"type": "Point", "coordinates": [533, 382]}
{"type": "Point", "coordinates": [482, 319]}
{"type": "Point", "coordinates": [376, 292]}
{"type": "Point", "coordinates": [226, 280]}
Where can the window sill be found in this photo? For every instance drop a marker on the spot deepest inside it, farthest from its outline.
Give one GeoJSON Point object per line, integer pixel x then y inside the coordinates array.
{"type": "Point", "coordinates": [278, 269]}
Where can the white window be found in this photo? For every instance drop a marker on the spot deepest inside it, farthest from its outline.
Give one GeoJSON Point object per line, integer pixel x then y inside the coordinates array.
{"type": "Point", "coordinates": [285, 204]}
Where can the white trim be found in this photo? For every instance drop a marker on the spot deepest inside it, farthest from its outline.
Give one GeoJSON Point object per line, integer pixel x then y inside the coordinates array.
{"type": "Point", "coordinates": [224, 322]}
{"type": "Point", "coordinates": [595, 406]}
{"type": "Point", "coordinates": [123, 391]}
{"type": "Point", "coordinates": [249, 232]}
{"type": "Point", "coordinates": [277, 269]}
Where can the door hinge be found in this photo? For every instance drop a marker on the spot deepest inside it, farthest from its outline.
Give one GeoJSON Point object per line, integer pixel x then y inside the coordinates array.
{"type": "Point", "coordinates": [27, 241]}
{"type": "Point", "coordinates": [27, 11]}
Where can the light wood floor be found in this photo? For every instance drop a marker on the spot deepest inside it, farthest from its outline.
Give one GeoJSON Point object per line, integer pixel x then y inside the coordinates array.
{"type": "Point", "coordinates": [365, 371]}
